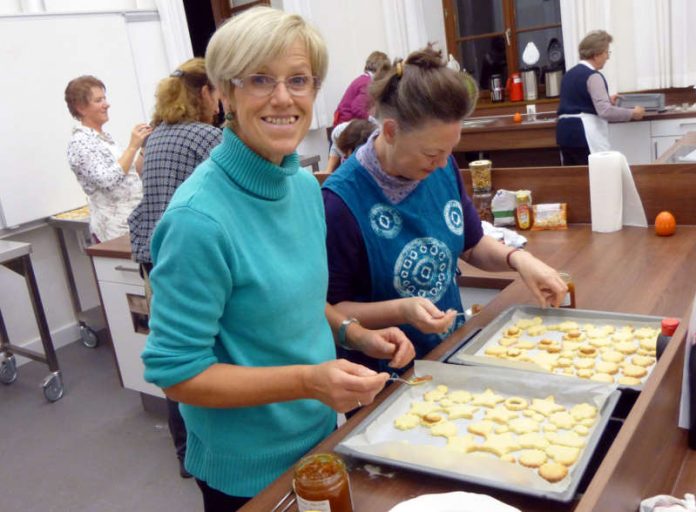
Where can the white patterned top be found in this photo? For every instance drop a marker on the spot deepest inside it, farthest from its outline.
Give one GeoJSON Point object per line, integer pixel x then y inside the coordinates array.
{"type": "Point", "coordinates": [112, 194]}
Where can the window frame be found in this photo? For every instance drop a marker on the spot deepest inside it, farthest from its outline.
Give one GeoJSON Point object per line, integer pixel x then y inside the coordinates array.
{"type": "Point", "coordinates": [510, 33]}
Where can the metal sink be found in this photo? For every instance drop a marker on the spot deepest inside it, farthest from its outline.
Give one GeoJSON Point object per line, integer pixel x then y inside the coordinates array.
{"type": "Point", "coordinates": [476, 123]}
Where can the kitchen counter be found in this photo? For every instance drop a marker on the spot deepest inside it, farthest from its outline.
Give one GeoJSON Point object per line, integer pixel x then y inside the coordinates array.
{"type": "Point", "coordinates": [646, 456]}
{"type": "Point", "coordinates": [630, 271]}
{"type": "Point", "coordinates": [502, 133]}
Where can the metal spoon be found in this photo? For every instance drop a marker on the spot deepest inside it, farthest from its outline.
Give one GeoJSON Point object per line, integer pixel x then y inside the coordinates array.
{"type": "Point", "coordinates": [413, 381]}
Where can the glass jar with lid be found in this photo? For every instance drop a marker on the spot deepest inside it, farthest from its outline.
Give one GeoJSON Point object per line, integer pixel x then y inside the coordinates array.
{"type": "Point", "coordinates": [321, 483]}
{"type": "Point", "coordinates": [480, 176]}
{"type": "Point", "coordinates": [482, 203]}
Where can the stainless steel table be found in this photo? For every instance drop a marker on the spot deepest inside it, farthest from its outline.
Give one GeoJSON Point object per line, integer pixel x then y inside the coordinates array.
{"type": "Point", "coordinates": [16, 257]}
{"type": "Point", "coordinates": [90, 320]}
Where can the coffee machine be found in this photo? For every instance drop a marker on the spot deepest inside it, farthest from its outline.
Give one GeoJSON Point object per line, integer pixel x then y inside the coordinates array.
{"type": "Point", "coordinates": [496, 88]}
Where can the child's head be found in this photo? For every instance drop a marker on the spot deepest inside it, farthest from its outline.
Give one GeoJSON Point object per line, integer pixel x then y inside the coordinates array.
{"type": "Point", "coordinates": [354, 135]}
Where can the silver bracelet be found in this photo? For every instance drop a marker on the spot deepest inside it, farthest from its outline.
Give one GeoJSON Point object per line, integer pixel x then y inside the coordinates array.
{"type": "Point", "coordinates": [342, 341]}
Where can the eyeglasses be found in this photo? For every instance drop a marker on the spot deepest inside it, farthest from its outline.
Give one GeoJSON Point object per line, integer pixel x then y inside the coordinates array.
{"type": "Point", "coordinates": [264, 85]}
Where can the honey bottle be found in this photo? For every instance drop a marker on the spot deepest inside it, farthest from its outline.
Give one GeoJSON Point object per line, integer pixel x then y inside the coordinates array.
{"type": "Point", "coordinates": [523, 211]}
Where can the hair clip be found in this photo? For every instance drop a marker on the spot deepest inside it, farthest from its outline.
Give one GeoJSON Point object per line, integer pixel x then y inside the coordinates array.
{"type": "Point", "coordinates": [399, 69]}
{"type": "Point", "coordinates": [177, 73]}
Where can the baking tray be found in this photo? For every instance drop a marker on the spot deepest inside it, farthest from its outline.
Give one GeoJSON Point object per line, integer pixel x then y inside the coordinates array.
{"type": "Point", "coordinates": [375, 439]}
{"type": "Point", "coordinates": [470, 351]}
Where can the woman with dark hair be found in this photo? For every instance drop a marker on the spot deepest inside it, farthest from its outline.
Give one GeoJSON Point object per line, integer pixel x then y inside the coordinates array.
{"type": "Point", "coordinates": [355, 103]}
{"type": "Point", "coordinates": [183, 135]}
{"type": "Point", "coordinates": [585, 107]}
{"type": "Point", "coordinates": [398, 216]}
{"type": "Point", "coordinates": [108, 175]}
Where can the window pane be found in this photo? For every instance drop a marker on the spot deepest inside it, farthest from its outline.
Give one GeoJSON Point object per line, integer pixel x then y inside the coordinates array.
{"type": "Point", "coordinates": [530, 13]}
{"type": "Point", "coordinates": [483, 58]}
{"type": "Point", "coordinates": [544, 40]}
{"type": "Point", "coordinates": [479, 17]}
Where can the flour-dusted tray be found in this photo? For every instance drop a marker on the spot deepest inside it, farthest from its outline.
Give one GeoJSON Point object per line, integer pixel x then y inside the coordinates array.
{"type": "Point", "coordinates": [473, 352]}
{"type": "Point", "coordinates": [377, 440]}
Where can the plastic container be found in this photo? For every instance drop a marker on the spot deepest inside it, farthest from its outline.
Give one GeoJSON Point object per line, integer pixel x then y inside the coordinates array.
{"type": "Point", "coordinates": [669, 325]}
{"type": "Point", "coordinates": [482, 203]}
{"type": "Point", "coordinates": [569, 299]}
{"type": "Point", "coordinates": [523, 210]}
{"type": "Point", "coordinates": [321, 483]}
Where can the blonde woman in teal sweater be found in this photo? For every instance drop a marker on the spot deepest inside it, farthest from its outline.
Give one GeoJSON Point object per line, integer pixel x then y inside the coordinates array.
{"type": "Point", "coordinates": [241, 334]}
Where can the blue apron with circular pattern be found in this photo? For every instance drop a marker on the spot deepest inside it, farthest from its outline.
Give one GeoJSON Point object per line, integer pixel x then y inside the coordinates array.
{"type": "Point", "coordinates": [412, 246]}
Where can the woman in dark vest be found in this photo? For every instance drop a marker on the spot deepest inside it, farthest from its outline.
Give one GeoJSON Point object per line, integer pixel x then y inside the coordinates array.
{"type": "Point", "coordinates": [586, 108]}
{"type": "Point", "coordinates": [398, 216]}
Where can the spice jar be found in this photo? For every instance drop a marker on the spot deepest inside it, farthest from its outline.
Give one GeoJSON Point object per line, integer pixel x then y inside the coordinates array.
{"type": "Point", "coordinates": [480, 175]}
{"type": "Point", "coordinates": [569, 299]}
{"type": "Point", "coordinates": [482, 203]}
{"type": "Point", "coordinates": [321, 484]}
{"type": "Point", "coordinates": [523, 210]}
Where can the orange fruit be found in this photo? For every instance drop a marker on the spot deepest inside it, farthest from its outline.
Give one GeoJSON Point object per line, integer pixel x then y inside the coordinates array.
{"type": "Point", "coordinates": [517, 117]}
{"type": "Point", "coordinates": [665, 224]}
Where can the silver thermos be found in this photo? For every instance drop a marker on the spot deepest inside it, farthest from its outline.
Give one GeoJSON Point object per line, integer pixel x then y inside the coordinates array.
{"type": "Point", "coordinates": [553, 83]}
{"type": "Point", "coordinates": [529, 84]}
{"type": "Point", "coordinates": [496, 88]}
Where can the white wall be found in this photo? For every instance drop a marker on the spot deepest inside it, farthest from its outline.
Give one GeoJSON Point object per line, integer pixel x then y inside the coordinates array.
{"type": "Point", "coordinates": [46, 260]}
{"type": "Point", "coordinates": [352, 31]}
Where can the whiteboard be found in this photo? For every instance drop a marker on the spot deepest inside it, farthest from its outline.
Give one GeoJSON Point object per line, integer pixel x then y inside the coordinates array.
{"type": "Point", "coordinates": [41, 54]}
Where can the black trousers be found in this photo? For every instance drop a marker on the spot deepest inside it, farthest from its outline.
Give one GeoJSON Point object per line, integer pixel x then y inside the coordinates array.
{"type": "Point", "coordinates": [177, 428]}
{"type": "Point", "coordinates": [574, 156]}
{"type": "Point", "coordinates": [217, 501]}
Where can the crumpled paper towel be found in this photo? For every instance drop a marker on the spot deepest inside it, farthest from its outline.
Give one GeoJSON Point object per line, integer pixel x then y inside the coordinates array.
{"type": "Point", "coordinates": [664, 503]}
{"type": "Point", "coordinates": [507, 236]}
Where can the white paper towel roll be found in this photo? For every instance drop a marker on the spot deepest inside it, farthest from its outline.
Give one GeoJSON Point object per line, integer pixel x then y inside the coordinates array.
{"type": "Point", "coordinates": [605, 191]}
{"type": "Point", "coordinates": [614, 199]}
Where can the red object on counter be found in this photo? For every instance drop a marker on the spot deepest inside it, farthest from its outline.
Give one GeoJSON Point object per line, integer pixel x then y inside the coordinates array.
{"type": "Point", "coordinates": [514, 87]}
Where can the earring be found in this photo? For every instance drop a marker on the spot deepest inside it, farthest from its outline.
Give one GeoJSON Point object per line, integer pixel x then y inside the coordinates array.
{"type": "Point", "coordinates": [229, 116]}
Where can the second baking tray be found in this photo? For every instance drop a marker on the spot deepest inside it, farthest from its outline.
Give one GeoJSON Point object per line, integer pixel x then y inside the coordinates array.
{"type": "Point", "coordinates": [471, 351]}
{"type": "Point", "coordinates": [375, 439]}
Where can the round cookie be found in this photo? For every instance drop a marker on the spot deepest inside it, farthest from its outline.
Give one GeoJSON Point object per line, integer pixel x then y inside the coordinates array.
{"type": "Point", "coordinates": [553, 472]}
{"type": "Point", "coordinates": [532, 458]}
{"type": "Point", "coordinates": [626, 347]}
{"type": "Point", "coordinates": [607, 367]}
{"type": "Point", "coordinates": [644, 361]}
{"type": "Point", "coordinates": [628, 381]}
{"type": "Point", "coordinates": [516, 403]}
{"type": "Point", "coordinates": [612, 356]}
{"type": "Point", "coordinates": [587, 351]}
{"type": "Point", "coordinates": [602, 377]}
{"type": "Point", "coordinates": [632, 370]}
{"type": "Point", "coordinates": [585, 373]}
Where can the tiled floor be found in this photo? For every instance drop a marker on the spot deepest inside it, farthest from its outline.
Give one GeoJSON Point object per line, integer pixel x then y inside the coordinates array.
{"type": "Point", "coordinates": [94, 450]}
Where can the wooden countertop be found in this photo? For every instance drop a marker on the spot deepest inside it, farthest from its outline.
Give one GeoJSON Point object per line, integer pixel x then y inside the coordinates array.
{"type": "Point", "coordinates": [117, 248]}
{"type": "Point", "coordinates": [630, 271]}
{"type": "Point", "coordinates": [502, 133]}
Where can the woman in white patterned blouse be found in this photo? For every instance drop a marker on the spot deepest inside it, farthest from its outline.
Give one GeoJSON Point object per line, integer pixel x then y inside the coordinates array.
{"type": "Point", "coordinates": [108, 175]}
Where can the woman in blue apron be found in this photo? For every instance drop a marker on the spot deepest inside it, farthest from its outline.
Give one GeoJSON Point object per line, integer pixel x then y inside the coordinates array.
{"type": "Point", "coordinates": [398, 216]}
{"type": "Point", "coordinates": [586, 109]}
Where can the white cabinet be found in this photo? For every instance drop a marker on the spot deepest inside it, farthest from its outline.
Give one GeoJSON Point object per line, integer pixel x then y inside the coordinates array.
{"type": "Point", "coordinates": [666, 132]}
{"type": "Point", "coordinates": [643, 142]}
{"type": "Point", "coordinates": [632, 139]}
{"type": "Point", "coordinates": [123, 297]}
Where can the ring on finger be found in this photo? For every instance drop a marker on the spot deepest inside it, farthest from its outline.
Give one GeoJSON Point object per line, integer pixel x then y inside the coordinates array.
{"type": "Point", "coordinates": [360, 403]}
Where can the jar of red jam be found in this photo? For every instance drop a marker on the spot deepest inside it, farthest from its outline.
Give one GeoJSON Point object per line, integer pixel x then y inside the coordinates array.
{"type": "Point", "coordinates": [321, 484]}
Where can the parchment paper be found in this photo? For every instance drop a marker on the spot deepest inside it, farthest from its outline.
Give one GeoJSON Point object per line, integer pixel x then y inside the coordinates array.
{"type": "Point", "coordinates": [428, 453]}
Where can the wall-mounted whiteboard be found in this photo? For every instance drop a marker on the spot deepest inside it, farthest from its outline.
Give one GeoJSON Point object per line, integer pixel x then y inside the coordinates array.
{"type": "Point", "coordinates": [41, 54]}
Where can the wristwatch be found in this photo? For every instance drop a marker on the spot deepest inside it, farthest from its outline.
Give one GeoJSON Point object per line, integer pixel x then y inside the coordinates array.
{"type": "Point", "coordinates": [342, 341]}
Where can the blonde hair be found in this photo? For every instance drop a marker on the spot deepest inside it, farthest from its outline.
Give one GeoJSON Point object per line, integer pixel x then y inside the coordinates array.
{"type": "Point", "coordinates": [246, 42]}
{"type": "Point", "coordinates": [179, 97]}
{"type": "Point", "coordinates": [594, 43]}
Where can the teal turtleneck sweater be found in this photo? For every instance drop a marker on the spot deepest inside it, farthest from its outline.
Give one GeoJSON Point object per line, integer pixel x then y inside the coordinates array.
{"type": "Point", "coordinates": [240, 277]}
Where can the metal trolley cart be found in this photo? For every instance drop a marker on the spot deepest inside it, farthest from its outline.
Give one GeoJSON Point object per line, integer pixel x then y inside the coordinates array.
{"type": "Point", "coordinates": [15, 256]}
{"type": "Point", "coordinates": [77, 222]}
